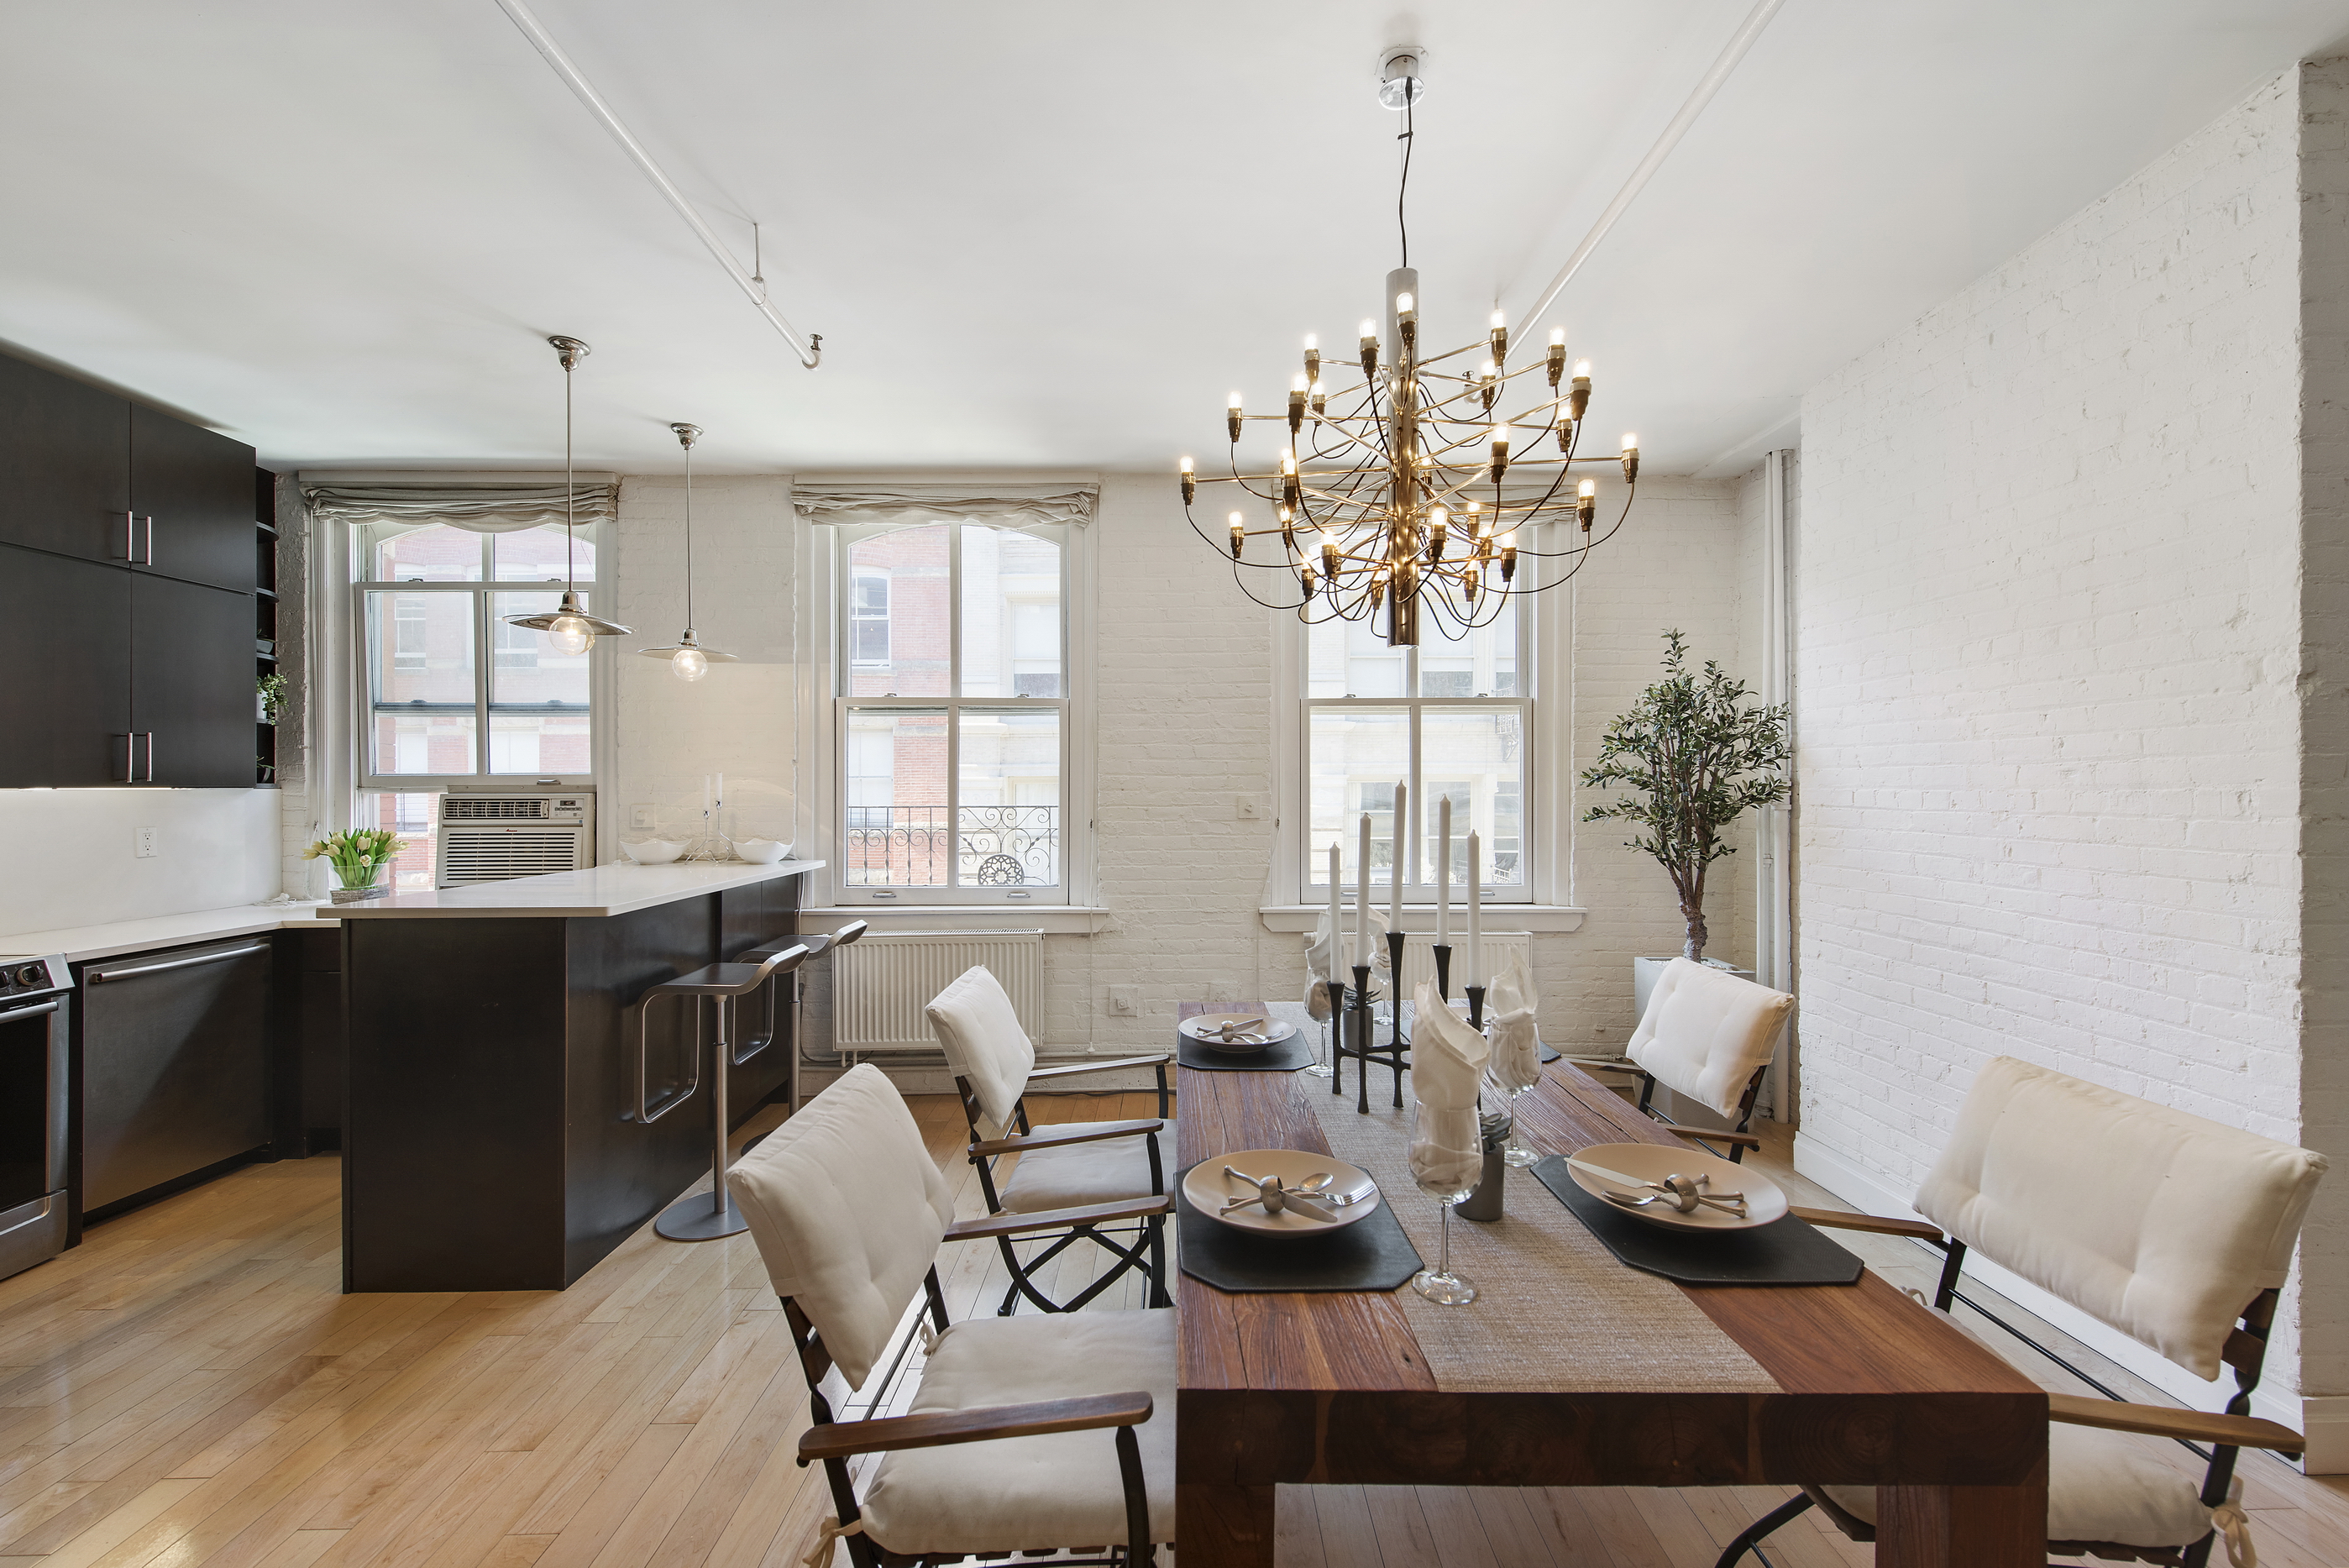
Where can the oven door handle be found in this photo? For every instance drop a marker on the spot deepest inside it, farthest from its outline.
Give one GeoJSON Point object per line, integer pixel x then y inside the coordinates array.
{"type": "Point", "coordinates": [34, 1011]}
{"type": "Point", "coordinates": [95, 975]}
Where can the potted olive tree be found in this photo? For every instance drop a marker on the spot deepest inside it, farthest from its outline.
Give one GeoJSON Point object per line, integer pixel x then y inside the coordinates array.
{"type": "Point", "coordinates": [1693, 754]}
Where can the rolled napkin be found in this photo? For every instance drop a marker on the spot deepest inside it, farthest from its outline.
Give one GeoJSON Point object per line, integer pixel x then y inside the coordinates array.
{"type": "Point", "coordinates": [1323, 953]}
{"type": "Point", "coordinates": [1516, 1045]}
{"type": "Point", "coordinates": [1447, 1059]}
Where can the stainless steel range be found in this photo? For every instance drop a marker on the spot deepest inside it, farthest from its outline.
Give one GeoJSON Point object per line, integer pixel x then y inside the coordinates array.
{"type": "Point", "coordinates": [34, 996]}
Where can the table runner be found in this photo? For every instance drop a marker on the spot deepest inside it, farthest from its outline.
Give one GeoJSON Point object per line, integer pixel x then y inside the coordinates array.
{"type": "Point", "coordinates": [1555, 1312]}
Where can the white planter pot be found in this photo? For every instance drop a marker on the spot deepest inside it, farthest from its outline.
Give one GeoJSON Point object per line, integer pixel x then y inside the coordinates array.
{"type": "Point", "coordinates": [1646, 972]}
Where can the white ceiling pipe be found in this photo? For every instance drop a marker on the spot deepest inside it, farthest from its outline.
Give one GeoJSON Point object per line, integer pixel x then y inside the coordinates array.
{"type": "Point", "coordinates": [1710, 84]}
{"type": "Point", "coordinates": [810, 351]}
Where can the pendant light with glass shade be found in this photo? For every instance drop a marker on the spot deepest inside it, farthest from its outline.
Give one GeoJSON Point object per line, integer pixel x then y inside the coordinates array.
{"type": "Point", "coordinates": [569, 628]}
{"type": "Point", "coordinates": [687, 659]}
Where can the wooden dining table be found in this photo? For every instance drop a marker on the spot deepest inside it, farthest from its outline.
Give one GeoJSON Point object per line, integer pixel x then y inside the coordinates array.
{"type": "Point", "coordinates": [1316, 1388]}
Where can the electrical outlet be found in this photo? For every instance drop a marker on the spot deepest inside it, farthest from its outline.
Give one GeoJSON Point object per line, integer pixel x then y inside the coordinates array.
{"type": "Point", "coordinates": [1125, 1000]}
{"type": "Point", "coordinates": [1251, 809]}
{"type": "Point", "coordinates": [641, 816]}
{"type": "Point", "coordinates": [143, 843]}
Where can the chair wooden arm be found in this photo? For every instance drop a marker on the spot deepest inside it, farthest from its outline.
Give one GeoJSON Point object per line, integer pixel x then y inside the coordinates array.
{"type": "Point", "coordinates": [1094, 1132]}
{"type": "Point", "coordinates": [2159, 1421]}
{"type": "Point", "coordinates": [1837, 1220]}
{"type": "Point", "coordinates": [838, 1439]}
{"type": "Point", "coordinates": [1158, 1061]}
{"type": "Point", "coordinates": [1701, 1135]}
{"type": "Point", "coordinates": [993, 1225]}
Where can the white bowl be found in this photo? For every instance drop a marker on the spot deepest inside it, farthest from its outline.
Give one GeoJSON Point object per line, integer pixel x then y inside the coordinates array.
{"type": "Point", "coordinates": [653, 851]}
{"type": "Point", "coordinates": [762, 851]}
{"type": "Point", "coordinates": [1208, 1189]}
{"type": "Point", "coordinates": [1764, 1201]}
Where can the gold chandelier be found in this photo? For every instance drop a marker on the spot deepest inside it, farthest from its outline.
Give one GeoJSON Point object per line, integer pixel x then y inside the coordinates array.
{"type": "Point", "coordinates": [1388, 497]}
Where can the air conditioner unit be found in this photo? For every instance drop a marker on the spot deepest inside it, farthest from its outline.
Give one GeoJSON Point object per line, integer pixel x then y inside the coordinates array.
{"type": "Point", "coordinates": [493, 835]}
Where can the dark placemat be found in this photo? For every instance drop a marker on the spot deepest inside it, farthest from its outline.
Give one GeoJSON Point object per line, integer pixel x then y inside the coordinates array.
{"type": "Point", "coordinates": [1281, 1056]}
{"type": "Point", "coordinates": [1370, 1255]}
{"type": "Point", "coordinates": [1786, 1251]}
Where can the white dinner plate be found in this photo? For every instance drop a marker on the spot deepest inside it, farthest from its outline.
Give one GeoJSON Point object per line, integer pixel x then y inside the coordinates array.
{"type": "Point", "coordinates": [1208, 1189]}
{"type": "Point", "coordinates": [1203, 1027]}
{"type": "Point", "coordinates": [1653, 1161]}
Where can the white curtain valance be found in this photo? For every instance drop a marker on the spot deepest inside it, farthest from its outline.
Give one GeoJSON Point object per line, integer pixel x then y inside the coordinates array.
{"type": "Point", "coordinates": [1004, 506]}
{"type": "Point", "coordinates": [476, 508]}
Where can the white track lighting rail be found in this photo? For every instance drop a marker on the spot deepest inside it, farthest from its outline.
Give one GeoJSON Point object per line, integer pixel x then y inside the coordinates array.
{"type": "Point", "coordinates": [810, 349]}
{"type": "Point", "coordinates": [1741, 41]}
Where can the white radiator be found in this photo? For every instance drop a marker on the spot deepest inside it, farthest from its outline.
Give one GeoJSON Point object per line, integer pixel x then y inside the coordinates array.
{"type": "Point", "coordinates": [1418, 962]}
{"type": "Point", "coordinates": [880, 983]}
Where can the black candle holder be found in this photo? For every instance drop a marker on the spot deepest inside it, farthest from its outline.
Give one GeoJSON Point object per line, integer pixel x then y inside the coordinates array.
{"type": "Point", "coordinates": [1337, 990]}
{"type": "Point", "coordinates": [1442, 970]}
{"type": "Point", "coordinates": [1476, 995]}
{"type": "Point", "coordinates": [1361, 1031]}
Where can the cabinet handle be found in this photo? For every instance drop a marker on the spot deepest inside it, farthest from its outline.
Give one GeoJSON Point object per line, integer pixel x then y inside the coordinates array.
{"type": "Point", "coordinates": [148, 555]}
{"type": "Point", "coordinates": [96, 975]}
{"type": "Point", "coordinates": [130, 539]}
{"type": "Point", "coordinates": [129, 755]}
{"type": "Point", "coordinates": [151, 757]}
{"type": "Point", "coordinates": [32, 1012]}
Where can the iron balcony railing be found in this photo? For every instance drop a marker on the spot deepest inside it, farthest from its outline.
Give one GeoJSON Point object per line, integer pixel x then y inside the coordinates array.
{"type": "Point", "coordinates": [931, 846]}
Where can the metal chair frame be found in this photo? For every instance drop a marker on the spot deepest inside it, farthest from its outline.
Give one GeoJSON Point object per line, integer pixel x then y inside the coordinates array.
{"type": "Point", "coordinates": [1147, 1251]}
{"type": "Point", "coordinates": [1740, 1138]}
{"type": "Point", "coordinates": [817, 943]}
{"type": "Point", "coordinates": [2245, 1352]}
{"type": "Point", "coordinates": [835, 1441]}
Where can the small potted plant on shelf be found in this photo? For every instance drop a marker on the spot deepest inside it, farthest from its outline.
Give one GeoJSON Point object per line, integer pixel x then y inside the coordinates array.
{"type": "Point", "coordinates": [358, 856]}
{"type": "Point", "coordinates": [1695, 754]}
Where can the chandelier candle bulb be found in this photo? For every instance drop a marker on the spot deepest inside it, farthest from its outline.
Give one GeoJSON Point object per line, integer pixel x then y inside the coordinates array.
{"type": "Point", "coordinates": [1233, 418]}
{"type": "Point", "coordinates": [1296, 406]}
{"type": "Point", "coordinates": [1312, 356]}
{"type": "Point", "coordinates": [1577, 396]}
{"type": "Point", "coordinates": [1631, 460]}
{"type": "Point", "coordinates": [1307, 581]}
{"type": "Point", "coordinates": [1555, 363]}
{"type": "Point", "coordinates": [1320, 400]}
{"type": "Point", "coordinates": [1190, 483]}
{"type": "Point", "coordinates": [1436, 520]}
{"type": "Point", "coordinates": [1500, 452]}
{"type": "Point", "coordinates": [1370, 349]}
{"type": "Point", "coordinates": [1239, 536]}
{"type": "Point", "coordinates": [1585, 504]}
{"type": "Point", "coordinates": [1500, 339]}
{"type": "Point", "coordinates": [1509, 557]}
{"type": "Point", "coordinates": [1288, 530]}
{"type": "Point", "coordinates": [1491, 376]}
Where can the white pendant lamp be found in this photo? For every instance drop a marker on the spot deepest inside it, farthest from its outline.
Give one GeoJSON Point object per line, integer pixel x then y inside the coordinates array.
{"type": "Point", "coordinates": [571, 628]}
{"type": "Point", "coordinates": [687, 659]}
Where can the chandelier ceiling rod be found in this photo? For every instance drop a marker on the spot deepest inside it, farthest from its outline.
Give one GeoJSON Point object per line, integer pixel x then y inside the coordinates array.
{"type": "Point", "coordinates": [809, 351]}
{"type": "Point", "coordinates": [1734, 51]}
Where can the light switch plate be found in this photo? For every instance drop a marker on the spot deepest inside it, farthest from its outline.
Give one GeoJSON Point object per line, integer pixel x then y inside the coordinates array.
{"type": "Point", "coordinates": [143, 843]}
{"type": "Point", "coordinates": [1125, 1000]}
{"type": "Point", "coordinates": [640, 816]}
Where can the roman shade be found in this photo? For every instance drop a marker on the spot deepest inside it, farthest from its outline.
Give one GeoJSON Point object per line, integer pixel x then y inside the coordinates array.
{"type": "Point", "coordinates": [1001, 505]}
{"type": "Point", "coordinates": [388, 510]}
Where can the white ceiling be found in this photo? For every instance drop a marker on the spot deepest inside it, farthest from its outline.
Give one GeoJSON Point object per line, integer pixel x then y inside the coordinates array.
{"type": "Point", "coordinates": [1033, 233]}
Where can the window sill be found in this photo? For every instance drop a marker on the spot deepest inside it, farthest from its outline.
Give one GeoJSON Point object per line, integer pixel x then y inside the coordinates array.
{"type": "Point", "coordinates": [1421, 918]}
{"type": "Point", "coordinates": [1052, 920]}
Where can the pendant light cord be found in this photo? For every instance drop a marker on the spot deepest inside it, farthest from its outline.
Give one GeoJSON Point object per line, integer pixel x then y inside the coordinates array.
{"type": "Point", "coordinates": [1409, 98]}
{"type": "Point", "coordinates": [570, 523]}
{"type": "Point", "coordinates": [688, 539]}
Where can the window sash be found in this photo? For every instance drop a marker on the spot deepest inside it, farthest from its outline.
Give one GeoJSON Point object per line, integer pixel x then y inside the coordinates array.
{"type": "Point", "coordinates": [850, 609]}
{"type": "Point", "coordinates": [496, 647]}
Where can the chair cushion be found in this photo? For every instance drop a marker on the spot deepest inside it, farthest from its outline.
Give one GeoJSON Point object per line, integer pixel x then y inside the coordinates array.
{"type": "Point", "coordinates": [2159, 1223]}
{"type": "Point", "coordinates": [1016, 1493]}
{"type": "Point", "coordinates": [847, 1209]}
{"type": "Point", "coordinates": [985, 1046]}
{"type": "Point", "coordinates": [1080, 1173]}
{"type": "Point", "coordinates": [1706, 1031]}
{"type": "Point", "coordinates": [2101, 1486]}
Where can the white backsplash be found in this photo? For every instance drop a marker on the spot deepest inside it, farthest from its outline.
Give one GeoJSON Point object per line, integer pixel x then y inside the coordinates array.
{"type": "Point", "coordinates": [71, 853]}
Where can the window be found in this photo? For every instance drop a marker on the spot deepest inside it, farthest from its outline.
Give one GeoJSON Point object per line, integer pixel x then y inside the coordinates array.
{"type": "Point", "coordinates": [428, 599]}
{"type": "Point", "coordinates": [1449, 720]}
{"type": "Point", "coordinates": [954, 713]}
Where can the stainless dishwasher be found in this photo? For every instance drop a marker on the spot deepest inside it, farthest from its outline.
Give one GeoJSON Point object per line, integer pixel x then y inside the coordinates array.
{"type": "Point", "coordinates": [174, 1066]}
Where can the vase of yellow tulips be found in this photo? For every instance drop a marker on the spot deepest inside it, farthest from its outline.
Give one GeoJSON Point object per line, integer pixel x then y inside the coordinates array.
{"type": "Point", "coordinates": [360, 857]}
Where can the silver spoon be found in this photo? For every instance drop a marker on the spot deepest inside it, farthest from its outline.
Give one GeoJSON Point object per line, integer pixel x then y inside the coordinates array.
{"type": "Point", "coordinates": [1625, 1201]}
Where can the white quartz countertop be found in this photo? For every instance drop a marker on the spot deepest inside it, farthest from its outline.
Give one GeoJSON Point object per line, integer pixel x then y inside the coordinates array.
{"type": "Point", "coordinates": [615, 889]}
{"type": "Point", "coordinates": [116, 937]}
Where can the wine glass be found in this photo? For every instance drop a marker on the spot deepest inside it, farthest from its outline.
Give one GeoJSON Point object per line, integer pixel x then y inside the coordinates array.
{"type": "Point", "coordinates": [1447, 1174]}
{"type": "Point", "coordinates": [1513, 1153]}
{"type": "Point", "coordinates": [1333, 1002]}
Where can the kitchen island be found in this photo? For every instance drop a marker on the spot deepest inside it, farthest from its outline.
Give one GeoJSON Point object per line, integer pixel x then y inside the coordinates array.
{"type": "Point", "coordinates": [490, 1139]}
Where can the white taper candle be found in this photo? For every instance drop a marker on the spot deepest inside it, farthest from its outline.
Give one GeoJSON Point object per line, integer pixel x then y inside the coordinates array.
{"type": "Point", "coordinates": [1362, 894]}
{"type": "Point", "coordinates": [1402, 840]}
{"type": "Point", "coordinates": [1337, 920]}
{"type": "Point", "coordinates": [1443, 872]}
{"type": "Point", "coordinates": [1475, 975]}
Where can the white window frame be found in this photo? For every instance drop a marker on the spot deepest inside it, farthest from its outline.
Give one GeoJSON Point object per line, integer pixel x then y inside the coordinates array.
{"type": "Point", "coordinates": [357, 651]}
{"type": "Point", "coordinates": [826, 611]}
{"type": "Point", "coordinates": [1544, 900]}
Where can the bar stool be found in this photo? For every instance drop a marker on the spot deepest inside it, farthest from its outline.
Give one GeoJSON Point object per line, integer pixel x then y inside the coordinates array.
{"type": "Point", "coordinates": [815, 945]}
{"type": "Point", "coordinates": [700, 1219]}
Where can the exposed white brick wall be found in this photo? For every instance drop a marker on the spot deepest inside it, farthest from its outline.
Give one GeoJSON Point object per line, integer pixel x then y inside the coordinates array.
{"type": "Point", "coordinates": [2048, 610]}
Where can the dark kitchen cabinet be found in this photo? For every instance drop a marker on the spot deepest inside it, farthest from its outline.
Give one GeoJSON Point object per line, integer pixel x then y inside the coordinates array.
{"type": "Point", "coordinates": [65, 464]}
{"type": "Point", "coordinates": [191, 490]}
{"type": "Point", "coordinates": [192, 700]}
{"type": "Point", "coordinates": [64, 648]}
